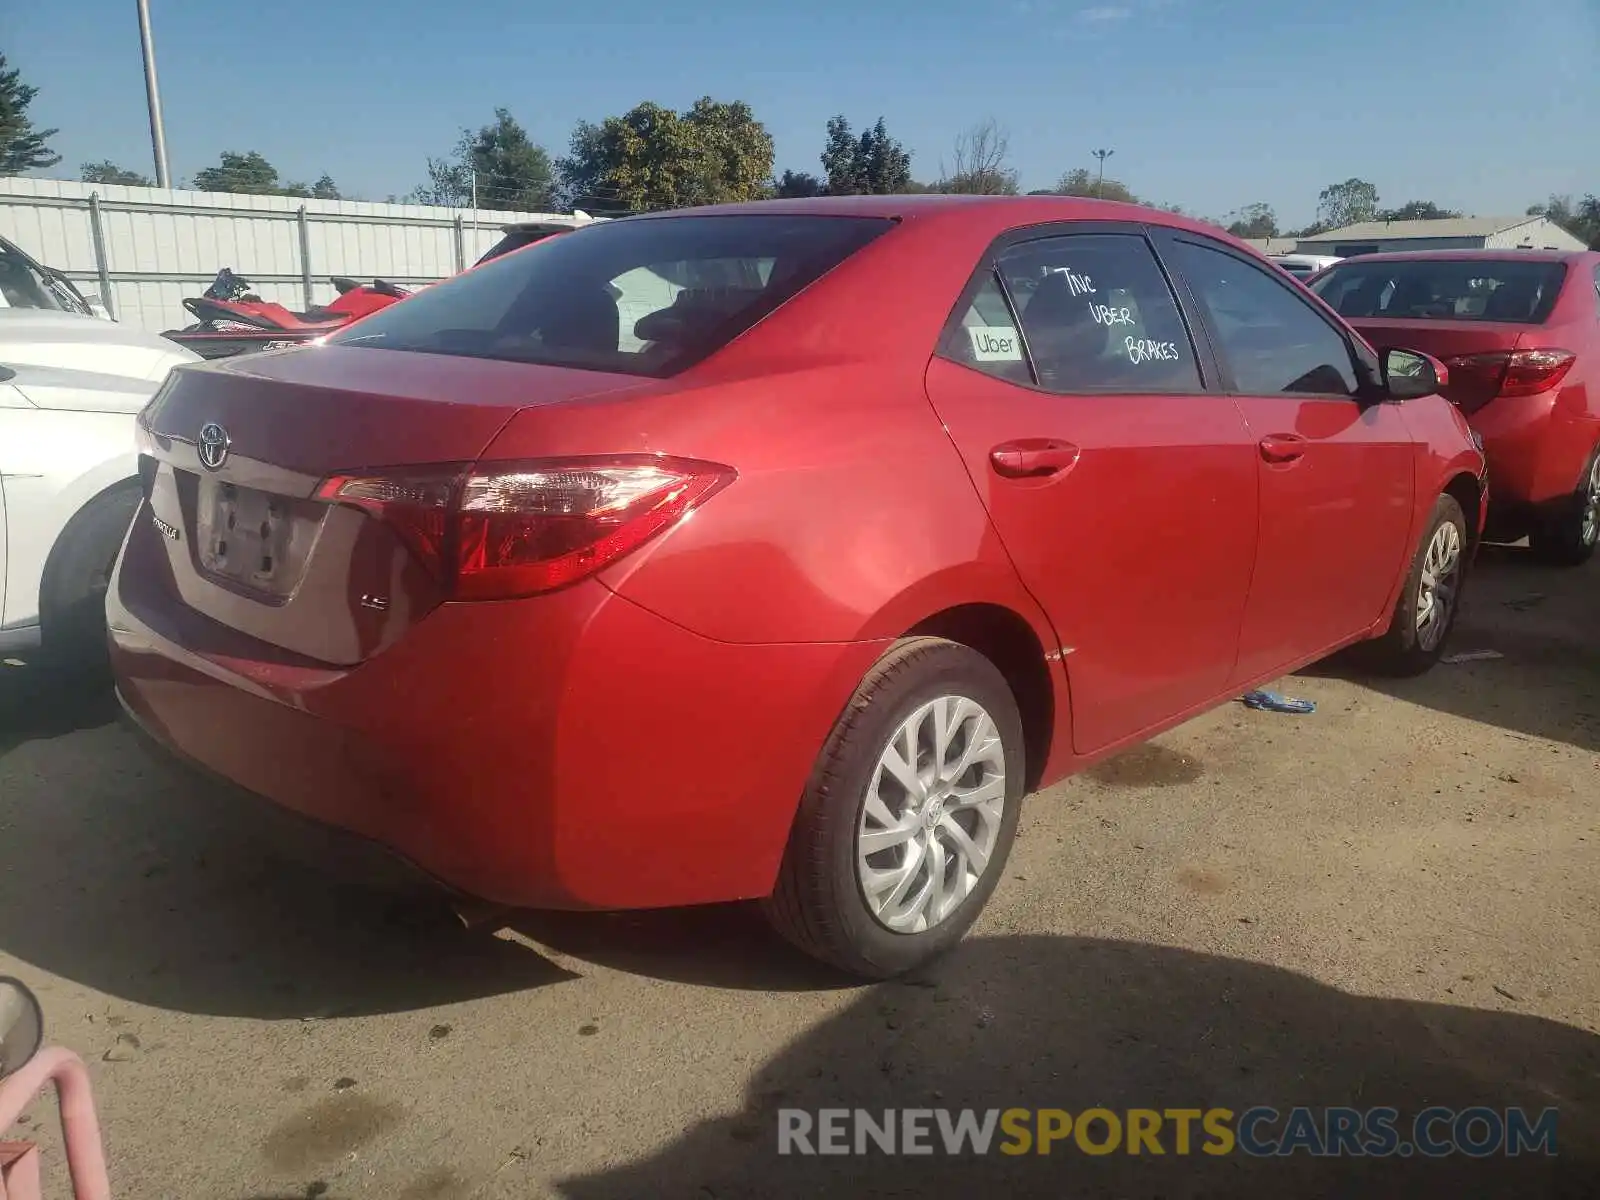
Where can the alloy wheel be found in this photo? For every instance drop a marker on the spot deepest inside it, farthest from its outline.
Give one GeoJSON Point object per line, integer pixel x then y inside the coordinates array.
{"type": "Point", "coordinates": [932, 814]}
{"type": "Point", "coordinates": [1439, 586]}
{"type": "Point", "coordinates": [1589, 530]}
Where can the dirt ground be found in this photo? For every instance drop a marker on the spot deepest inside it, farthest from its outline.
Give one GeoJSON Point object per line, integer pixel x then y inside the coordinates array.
{"type": "Point", "coordinates": [1390, 902]}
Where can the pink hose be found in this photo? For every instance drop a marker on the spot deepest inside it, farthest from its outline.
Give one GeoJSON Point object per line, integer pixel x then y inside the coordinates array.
{"type": "Point", "coordinates": [80, 1127]}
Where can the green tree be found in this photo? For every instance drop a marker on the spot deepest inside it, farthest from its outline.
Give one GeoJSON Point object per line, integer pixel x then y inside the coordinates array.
{"type": "Point", "coordinates": [873, 164]}
{"type": "Point", "coordinates": [513, 172]}
{"type": "Point", "coordinates": [1254, 221]}
{"type": "Point", "coordinates": [980, 165]}
{"type": "Point", "coordinates": [652, 158]}
{"type": "Point", "coordinates": [1080, 181]}
{"type": "Point", "coordinates": [1417, 210]}
{"type": "Point", "coordinates": [22, 147]}
{"type": "Point", "coordinates": [1587, 225]}
{"type": "Point", "coordinates": [798, 185]}
{"type": "Point", "coordinates": [1341, 204]}
{"type": "Point", "coordinates": [738, 148]}
{"type": "Point", "coordinates": [449, 184]}
{"type": "Point", "coordinates": [323, 189]}
{"type": "Point", "coordinates": [108, 172]}
{"type": "Point", "coordinates": [249, 173]}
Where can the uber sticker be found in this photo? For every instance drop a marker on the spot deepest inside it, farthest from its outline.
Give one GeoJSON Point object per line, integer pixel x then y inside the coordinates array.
{"type": "Point", "coordinates": [995, 343]}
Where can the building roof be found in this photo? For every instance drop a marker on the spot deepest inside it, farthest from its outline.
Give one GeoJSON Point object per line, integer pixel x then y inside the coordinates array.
{"type": "Point", "coordinates": [1448, 227]}
{"type": "Point", "coordinates": [1499, 254]}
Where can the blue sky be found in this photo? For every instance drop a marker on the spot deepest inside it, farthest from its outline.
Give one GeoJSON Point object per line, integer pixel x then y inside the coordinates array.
{"type": "Point", "coordinates": [1210, 104]}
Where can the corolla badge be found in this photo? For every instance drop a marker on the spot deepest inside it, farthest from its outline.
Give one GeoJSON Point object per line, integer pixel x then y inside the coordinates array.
{"type": "Point", "coordinates": [213, 446]}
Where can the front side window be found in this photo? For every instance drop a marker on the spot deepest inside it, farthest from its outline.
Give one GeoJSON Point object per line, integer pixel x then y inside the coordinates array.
{"type": "Point", "coordinates": [1098, 315]}
{"type": "Point", "coordinates": [1444, 289]}
{"type": "Point", "coordinates": [643, 297]}
{"type": "Point", "coordinates": [1275, 341]}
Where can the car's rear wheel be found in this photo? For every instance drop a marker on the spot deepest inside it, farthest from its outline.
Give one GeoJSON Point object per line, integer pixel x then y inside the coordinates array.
{"type": "Point", "coordinates": [909, 815]}
{"type": "Point", "coordinates": [1430, 600]}
{"type": "Point", "coordinates": [1567, 536]}
{"type": "Point", "coordinates": [72, 598]}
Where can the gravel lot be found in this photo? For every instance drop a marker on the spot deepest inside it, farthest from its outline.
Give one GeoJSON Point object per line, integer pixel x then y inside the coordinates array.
{"type": "Point", "coordinates": [1392, 901]}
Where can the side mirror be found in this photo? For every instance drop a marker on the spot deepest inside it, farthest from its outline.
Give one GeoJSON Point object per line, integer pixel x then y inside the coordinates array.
{"type": "Point", "coordinates": [21, 1025]}
{"type": "Point", "coordinates": [1410, 374]}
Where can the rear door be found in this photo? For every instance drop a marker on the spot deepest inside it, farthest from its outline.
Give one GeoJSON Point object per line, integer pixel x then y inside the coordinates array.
{"type": "Point", "coordinates": [1336, 470]}
{"type": "Point", "coordinates": [1122, 486]}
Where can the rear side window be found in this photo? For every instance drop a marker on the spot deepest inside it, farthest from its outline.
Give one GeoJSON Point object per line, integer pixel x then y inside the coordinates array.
{"type": "Point", "coordinates": [987, 339]}
{"type": "Point", "coordinates": [1442, 289]}
{"type": "Point", "coordinates": [642, 297]}
{"type": "Point", "coordinates": [1098, 315]}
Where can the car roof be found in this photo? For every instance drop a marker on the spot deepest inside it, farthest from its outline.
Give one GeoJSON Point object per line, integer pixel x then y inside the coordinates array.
{"type": "Point", "coordinates": [1002, 212]}
{"type": "Point", "coordinates": [1489, 255]}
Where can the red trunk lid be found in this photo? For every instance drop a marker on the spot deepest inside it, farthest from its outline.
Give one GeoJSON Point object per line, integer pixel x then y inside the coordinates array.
{"type": "Point", "coordinates": [245, 541]}
{"type": "Point", "coordinates": [1469, 390]}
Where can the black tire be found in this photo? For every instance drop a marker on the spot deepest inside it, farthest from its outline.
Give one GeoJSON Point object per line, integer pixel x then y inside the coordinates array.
{"type": "Point", "coordinates": [72, 598]}
{"type": "Point", "coordinates": [1567, 535]}
{"type": "Point", "coordinates": [818, 903]}
{"type": "Point", "coordinates": [1401, 651]}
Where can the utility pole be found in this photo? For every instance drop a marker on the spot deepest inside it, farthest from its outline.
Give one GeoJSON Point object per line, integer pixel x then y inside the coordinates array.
{"type": "Point", "coordinates": [152, 93]}
{"type": "Point", "coordinates": [474, 206]}
{"type": "Point", "coordinates": [1100, 184]}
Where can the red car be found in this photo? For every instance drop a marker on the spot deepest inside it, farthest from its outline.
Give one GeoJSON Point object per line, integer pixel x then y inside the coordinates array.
{"type": "Point", "coordinates": [1519, 331]}
{"type": "Point", "coordinates": [777, 550]}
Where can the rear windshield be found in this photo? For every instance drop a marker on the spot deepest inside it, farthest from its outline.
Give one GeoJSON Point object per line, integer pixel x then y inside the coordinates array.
{"type": "Point", "coordinates": [1443, 289]}
{"type": "Point", "coordinates": [647, 296]}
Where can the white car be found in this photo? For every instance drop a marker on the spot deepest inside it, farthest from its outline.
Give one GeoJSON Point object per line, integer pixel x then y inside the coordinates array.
{"type": "Point", "coordinates": [70, 388]}
{"type": "Point", "coordinates": [1303, 266]}
{"type": "Point", "coordinates": [28, 283]}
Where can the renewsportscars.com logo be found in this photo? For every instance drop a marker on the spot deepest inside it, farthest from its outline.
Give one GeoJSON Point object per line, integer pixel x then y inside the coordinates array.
{"type": "Point", "coordinates": [1261, 1132]}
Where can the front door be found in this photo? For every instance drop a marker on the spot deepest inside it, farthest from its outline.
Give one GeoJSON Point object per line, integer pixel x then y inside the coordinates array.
{"type": "Point", "coordinates": [1337, 469]}
{"type": "Point", "coordinates": [1123, 488]}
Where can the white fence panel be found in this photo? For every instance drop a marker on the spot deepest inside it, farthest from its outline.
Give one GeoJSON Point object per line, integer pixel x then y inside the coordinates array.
{"type": "Point", "coordinates": [145, 249]}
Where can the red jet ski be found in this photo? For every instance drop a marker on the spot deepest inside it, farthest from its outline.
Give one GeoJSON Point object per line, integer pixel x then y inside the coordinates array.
{"type": "Point", "coordinates": [231, 319]}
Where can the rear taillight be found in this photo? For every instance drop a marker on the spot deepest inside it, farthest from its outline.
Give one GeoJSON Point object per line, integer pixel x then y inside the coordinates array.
{"type": "Point", "coordinates": [499, 530]}
{"type": "Point", "coordinates": [415, 504]}
{"type": "Point", "coordinates": [1511, 372]}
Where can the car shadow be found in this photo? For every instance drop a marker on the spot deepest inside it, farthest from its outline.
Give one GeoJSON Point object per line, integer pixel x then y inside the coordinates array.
{"type": "Point", "coordinates": [715, 945]}
{"type": "Point", "coordinates": [1070, 1023]}
{"type": "Point", "coordinates": [162, 888]}
{"type": "Point", "coordinates": [35, 703]}
{"type": "Point", "coordinates": [1541, 622]}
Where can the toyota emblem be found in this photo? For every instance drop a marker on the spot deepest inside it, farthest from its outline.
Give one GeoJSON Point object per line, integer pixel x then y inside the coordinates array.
{"type": "Point", "coordinates": [213, 446]}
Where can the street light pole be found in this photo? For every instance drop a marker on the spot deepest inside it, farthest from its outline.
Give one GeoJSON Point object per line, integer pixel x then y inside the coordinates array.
{"type": "Point", "coordinates": [152, 92]}
{"type": "Point", "coordinates": [1100, 184]}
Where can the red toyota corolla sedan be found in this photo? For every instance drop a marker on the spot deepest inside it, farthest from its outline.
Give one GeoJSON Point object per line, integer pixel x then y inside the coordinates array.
{"type": "Point", "coordinates": [1519, 331]}
{"type": "Point", "coordinates": [778, 550]}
